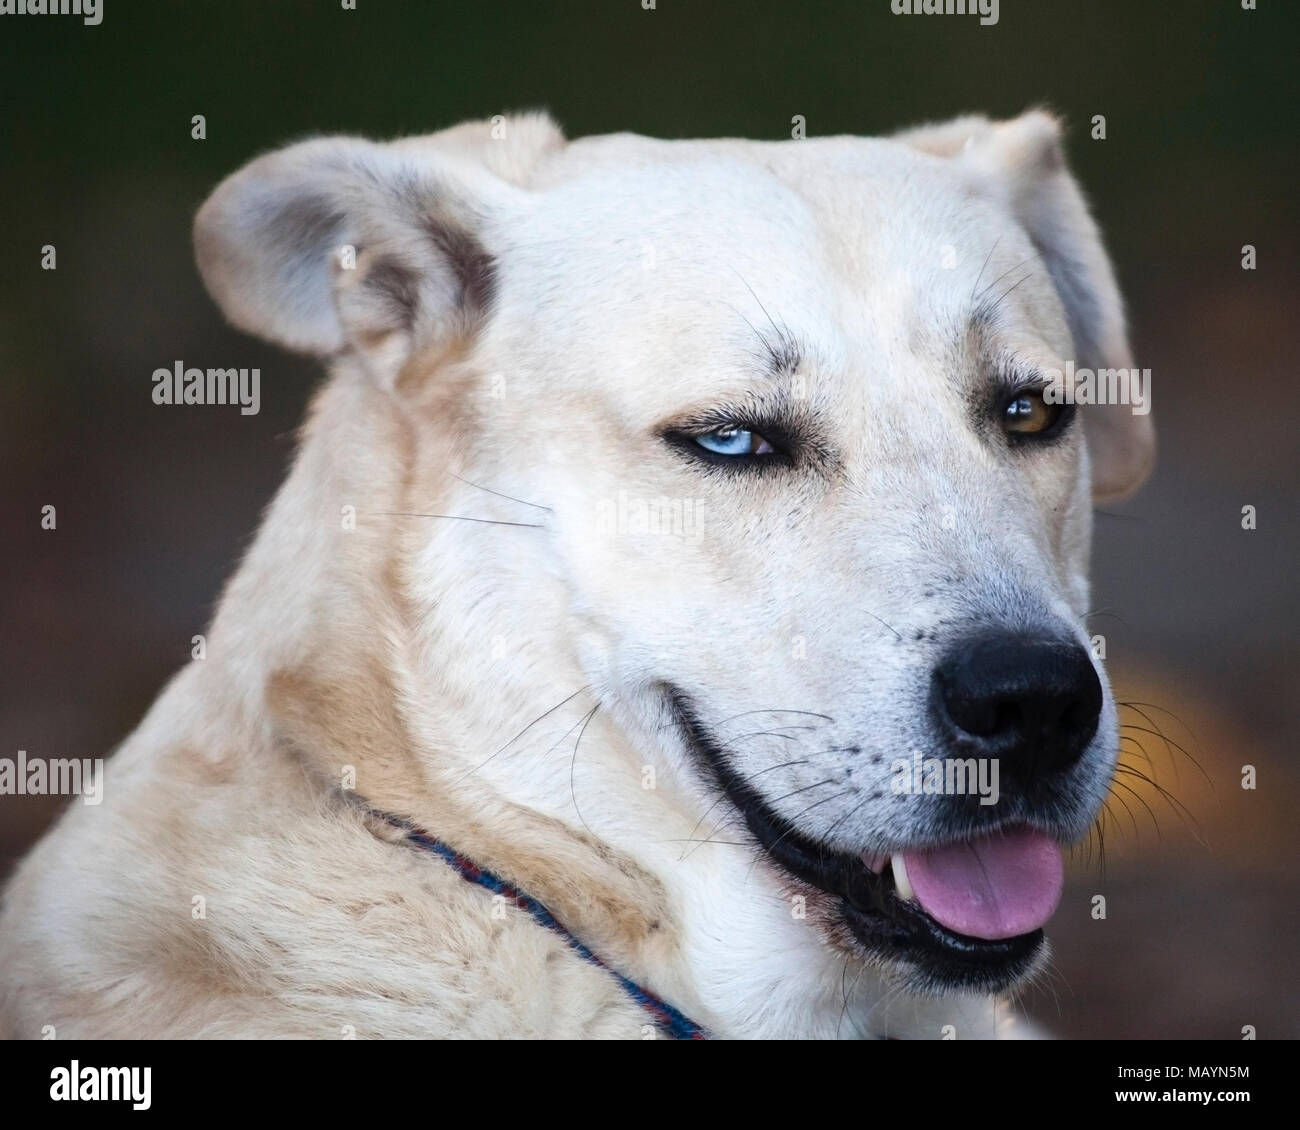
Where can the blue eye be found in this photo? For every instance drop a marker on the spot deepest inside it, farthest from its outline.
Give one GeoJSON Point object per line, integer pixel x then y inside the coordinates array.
{"type": "Point", "coordinates": [734, 440]}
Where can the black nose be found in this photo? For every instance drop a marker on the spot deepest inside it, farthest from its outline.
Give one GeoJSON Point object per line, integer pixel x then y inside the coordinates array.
{"type": "Point", "coordinates": [1033, 703]}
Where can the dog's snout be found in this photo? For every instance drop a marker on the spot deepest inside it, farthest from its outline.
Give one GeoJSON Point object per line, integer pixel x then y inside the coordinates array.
{"type": "Point", "coordinates": [1034, 703]}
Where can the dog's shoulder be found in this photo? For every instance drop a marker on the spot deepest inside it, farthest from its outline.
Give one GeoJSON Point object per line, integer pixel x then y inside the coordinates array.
{"type": "Point", "coordinates": [217, 894]}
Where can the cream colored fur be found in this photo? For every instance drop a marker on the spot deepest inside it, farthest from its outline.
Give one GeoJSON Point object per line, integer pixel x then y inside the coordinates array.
{"type": "Point", "coordinates": [400, 660]}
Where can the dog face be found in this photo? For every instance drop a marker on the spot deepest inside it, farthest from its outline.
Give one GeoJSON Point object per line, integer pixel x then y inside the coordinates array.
{"type": "Point", "coordinates": [803, 508]}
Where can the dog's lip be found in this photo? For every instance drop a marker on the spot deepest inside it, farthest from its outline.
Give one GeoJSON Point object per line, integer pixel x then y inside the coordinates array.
{"type": "Point", "coordinates": [878, 918]}
{"type": "Point", "coordinates": [876, 915]}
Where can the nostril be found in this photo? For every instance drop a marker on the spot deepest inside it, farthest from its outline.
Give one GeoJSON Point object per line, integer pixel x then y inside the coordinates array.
{"type": "Point", "coordinates": [1079, 714]}
{"type": "Point", "coordinates": [1007, 716]}
{"type": "Point", "coordinates": [981, 715]}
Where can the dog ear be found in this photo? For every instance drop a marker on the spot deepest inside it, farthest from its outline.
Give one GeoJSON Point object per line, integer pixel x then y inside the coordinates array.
{"type": "Point", "coordinates": [341, 244]}
{"type": "Point", "coordinates": [1024, 162]}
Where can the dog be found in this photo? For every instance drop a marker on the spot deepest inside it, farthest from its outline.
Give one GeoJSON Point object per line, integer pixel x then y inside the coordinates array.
{"type": "Point", "coordinates": [671, 510]}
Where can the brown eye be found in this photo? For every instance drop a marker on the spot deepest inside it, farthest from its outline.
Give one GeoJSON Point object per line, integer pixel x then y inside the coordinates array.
{"type": "Point", "coordinates": [1029, 414]}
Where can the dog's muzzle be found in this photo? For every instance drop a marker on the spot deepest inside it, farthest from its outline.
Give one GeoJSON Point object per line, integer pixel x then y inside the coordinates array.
{"type": "Point", "coordinates": [965, 909]}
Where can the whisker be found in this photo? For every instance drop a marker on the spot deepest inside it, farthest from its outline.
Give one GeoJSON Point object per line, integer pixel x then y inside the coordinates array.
{"type": "Point", "coordinates": [851, 812]}
{"type": "Point", "coordinates": [1142, 801]}
{"type": "Point", "coordinates": [1169, 742]}
{"type": "Point", "coordinates": [848, 991]}
{"type": "Point", "coordinates": [1156, 734]}
{"type": "Point", "coordinates": [729, 843]}
{"type": "Point", "coordinates": [1001, 297]}
{"type": "Point", "coordinates": [544, 714]}
{"type": "Point", "coordinates": [806, 713]}
{"type": "Point", "coordinates": [731, 743]}
{"type": "Point", "coordinates": [787, 356]}
{"type": "Point", "coordinates": [983, 267]}
{"type": "Point", "coordinates": [499, 494]}
{"type": "Point", "coordinates": [1106, 612]}
{"type": "Point", "coordinates": [771, 734]}
{"type": "Point", "coordinates": [1003, 275]}
{"type": "Point", "coordinates": [794, 820]}
{"type": "Point", "coordinates": [1133, 820]}
{"type": "Point", "coordinates": [1181, 810]}
{"type": "Point", "coordinates": [722, 795]}
{"type": "Point", "coordinates": [804, 789]}
{"type": "Point", "coordinates": [1046, 979]}
{"type": "Point", "coordinates": [1097, 835]}
{"type": "Point", "coordinates": [1141, 749]}
{"type": "Point", "coordinates": [880, 621]}
{"type": "Point", "coordinates": [1152, 706]}
{"type": "Point", "coordinates": [573, 764]}
{"type": "Point", "coordinates": [744, 714]}
{"type": "Point", "coordinates": [456, 518]}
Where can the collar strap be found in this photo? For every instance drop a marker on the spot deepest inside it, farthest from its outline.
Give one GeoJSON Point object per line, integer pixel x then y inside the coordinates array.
{"type": "Point", "coordinates": [666, 1018]}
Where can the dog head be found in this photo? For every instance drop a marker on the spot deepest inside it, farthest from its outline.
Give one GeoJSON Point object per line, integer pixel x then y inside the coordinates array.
{"type": "Point", "coordinates": [781, 427]}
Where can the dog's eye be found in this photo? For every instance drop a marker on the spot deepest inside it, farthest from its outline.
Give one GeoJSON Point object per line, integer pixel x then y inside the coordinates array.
{"type": "Point", "coordinates": [734, 440]}
{"type": "Point", "coordinates": [1029, 414]}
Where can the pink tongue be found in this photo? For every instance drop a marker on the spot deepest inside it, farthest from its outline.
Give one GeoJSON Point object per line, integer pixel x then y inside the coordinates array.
{"type": "Point", "coordinates": [995, 887]}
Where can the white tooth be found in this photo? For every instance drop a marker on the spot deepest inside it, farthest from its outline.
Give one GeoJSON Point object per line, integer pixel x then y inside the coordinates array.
{"type": "Point", "coordinates": [901, 884]}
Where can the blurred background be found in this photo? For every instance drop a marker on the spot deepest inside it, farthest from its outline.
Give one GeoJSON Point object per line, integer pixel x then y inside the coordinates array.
{"type": "Point", "coordinates": [154, 505]}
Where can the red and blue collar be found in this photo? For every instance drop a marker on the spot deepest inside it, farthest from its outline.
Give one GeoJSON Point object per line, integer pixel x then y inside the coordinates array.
{"type": "Point", "coordinates": [669, 1020]}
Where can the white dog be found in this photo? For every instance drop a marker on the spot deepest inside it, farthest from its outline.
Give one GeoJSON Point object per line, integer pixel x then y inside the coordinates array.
{"type": "Point", "coordinates": [688, 549]}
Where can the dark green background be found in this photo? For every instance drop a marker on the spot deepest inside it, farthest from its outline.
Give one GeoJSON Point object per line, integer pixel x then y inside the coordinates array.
{"type": "Point", "coordinates": [154, 504]}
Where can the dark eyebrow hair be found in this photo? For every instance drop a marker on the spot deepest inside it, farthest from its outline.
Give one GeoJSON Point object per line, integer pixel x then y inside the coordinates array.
{"type": "Point", "coordinates": [981, 344]}
{"type": "Point", "coordinates": [782, 354]}
{"type": "Point", "coordinates": [776, 350]}
{"type": "Point", "coordinates": [983, 321]}
{"type": "Point", "coordinates": [779, 350]}
{"type": "Point", "coordinates": [998, 370]}
{"type": "Point", "coordinates": [1003, 367]}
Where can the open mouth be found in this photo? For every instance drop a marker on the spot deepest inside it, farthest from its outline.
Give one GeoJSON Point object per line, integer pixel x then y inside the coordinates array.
{"type": "Point", "coordinates": [958, 915]}
{"type": "Point", "coordinates": [963, 915]}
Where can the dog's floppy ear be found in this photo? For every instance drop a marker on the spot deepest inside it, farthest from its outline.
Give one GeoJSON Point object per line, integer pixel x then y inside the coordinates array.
{"type": "Point", "coordinates": [343, 244]}
{"type": "Point", "coordinates": [1024, 162]}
